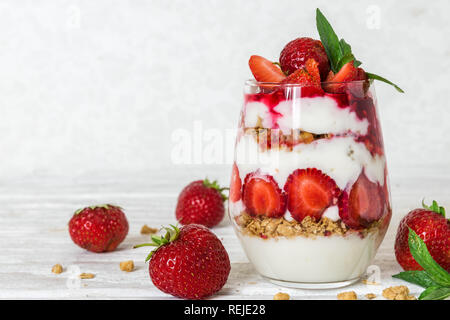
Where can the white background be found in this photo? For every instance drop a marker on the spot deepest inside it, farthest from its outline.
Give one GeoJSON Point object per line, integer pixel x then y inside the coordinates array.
{"type": "Point", "coordinates": [93, 92]}
{"type": "Point", "coordinates": [98, 87]}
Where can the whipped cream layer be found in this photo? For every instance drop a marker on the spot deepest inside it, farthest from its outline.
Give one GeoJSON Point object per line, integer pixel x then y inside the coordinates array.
{"type": "Point", "coordinates": [308, 260]}
{"type": "Point", "coordinates": [318, 115]}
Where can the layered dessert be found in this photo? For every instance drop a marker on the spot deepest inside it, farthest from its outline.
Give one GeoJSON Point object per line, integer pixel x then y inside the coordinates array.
{"type": "Point", "coordinates": [309, 195]}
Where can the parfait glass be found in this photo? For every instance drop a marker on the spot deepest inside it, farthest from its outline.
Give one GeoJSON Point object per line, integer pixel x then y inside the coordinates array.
{"type": "Point", "coordinates": [309, 194]}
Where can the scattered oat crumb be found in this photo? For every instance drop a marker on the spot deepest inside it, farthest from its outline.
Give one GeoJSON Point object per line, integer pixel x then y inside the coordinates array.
{"type": "Point", "coordinates": [127, 266]}
{"type": "Point", "coordinates": [87, 275]}
{"type": "Point", "coordinates": [147, 230]}
{"type": "Point", "coordinates": [398, 293]}
{"type": "Point", "coordinates": [349, 295]}
{"type": "Point", "coordinates": [371, 296]}
{"type": "Point", "coordinates": [365, 281]}
{"type": "Point", "coordinates": [281, 296]}
{"type": "Point", "coordinates": [252, 282]}
{"type": "Point", "coordinates": [57, 268]}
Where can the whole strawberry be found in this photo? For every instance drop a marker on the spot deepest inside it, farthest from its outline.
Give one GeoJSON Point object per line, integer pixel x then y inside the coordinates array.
{"type": "Point", "coordinates": [433, 228]}
{"type": "Point", "coordinates": [189, 263]}
{"type": "Point", "coordinates": [98, 228]}
{"type": "Point", "coordinates": [201, 202]}
{"type": "Point", "coordinates": [298, 51]}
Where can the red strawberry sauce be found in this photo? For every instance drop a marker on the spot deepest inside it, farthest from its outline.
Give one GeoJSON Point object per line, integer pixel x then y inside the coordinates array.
{"type": "Point", "coordinates": [362, 105]}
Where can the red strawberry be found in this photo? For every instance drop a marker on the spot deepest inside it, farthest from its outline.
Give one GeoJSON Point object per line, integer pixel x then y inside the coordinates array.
{"type": "Point", "coordinates": [363, 205]}
{"type": "Point", "coordinates": [98, 228]}
{"type": "Point", "coordinates": [433, 228]}
{"type": "Point", "coordinates": [310, 192]}
{"type": "Point", "coordinates": [262, 196]}
{"type": "Point", "coordinates": [297, 52]}
{"type": "Point", "coordinates": [190, 263]}
{"type": "Point", "coordinates": [264, 70]}
{"type": "Point", "coordinates": [201, 202]}
{"type": "Point", "coordinates": [235, 185]}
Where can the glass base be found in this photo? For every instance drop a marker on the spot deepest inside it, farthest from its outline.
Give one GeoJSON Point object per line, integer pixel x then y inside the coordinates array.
{"type": "Point", "coordinates": [312, 285]}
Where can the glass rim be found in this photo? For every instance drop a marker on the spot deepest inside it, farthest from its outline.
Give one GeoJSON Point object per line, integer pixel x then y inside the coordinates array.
{"type": "Point", "coordinates": [253, 82]}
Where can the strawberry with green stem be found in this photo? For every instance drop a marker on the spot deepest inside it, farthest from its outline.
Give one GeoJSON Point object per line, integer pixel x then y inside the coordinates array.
{"type": "Point", "coordinates": [99, 228]}
{"type": "Point", "coordinates": [189, 263]}
{"type": "Point", "coordinates": [431, 275]}
{"type": "Point", "coordinates": [201, 202]}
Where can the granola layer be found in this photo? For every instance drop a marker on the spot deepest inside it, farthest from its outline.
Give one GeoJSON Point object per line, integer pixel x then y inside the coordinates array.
{"type": "Point", "coordinates": [265, 227]}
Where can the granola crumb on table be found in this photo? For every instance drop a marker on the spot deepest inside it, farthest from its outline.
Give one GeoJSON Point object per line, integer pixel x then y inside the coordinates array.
{"type": "Point", "coordinates": [371, 296]}
{"type": "Point", "coordinates": [86, 275]}
{"type": "Point", "coordinates": [398, 293]}
{"type": "Point", "coordinates": [147, 230]}
{"type": "Point", "coordinates": [127, 266]}
{"type": "Point", "coordinates": [57, 268]}
{"type": "Point", "coordinates": [365, 281]}
{"type": "Point", "coordinates": [349, 295]}
{"type": "Point", "coordinates": [281, 296]}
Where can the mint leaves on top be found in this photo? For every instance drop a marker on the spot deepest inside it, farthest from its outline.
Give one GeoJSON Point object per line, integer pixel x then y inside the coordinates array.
{"type": "Point", "coordinates": [339, 52]}
{"type": "Point", "coordinates": [380, 78]}
{"type": "Point", "coordinates": [434, 278]}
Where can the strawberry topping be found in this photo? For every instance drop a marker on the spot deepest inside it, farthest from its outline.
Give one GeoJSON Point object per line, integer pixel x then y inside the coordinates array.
{"type": "Point", "coordinates": [347, 73]}
{"type": "Point", "coordinates": [262, 196]}
{"type": "Point", "coordinates": [297, 52]}
{"type": "Point", "coordinates": [264, 70]}
{"type": "Point", "coordinates": [308, 76]}
{"type": "Point", "coordinates": [310, 192]}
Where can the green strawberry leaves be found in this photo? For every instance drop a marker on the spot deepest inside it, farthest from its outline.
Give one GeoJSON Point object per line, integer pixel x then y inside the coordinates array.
{"type": "Point", "coordinates": [159, 241]}
{"type": "Point", "coordinates": [104, 206]}
{"type": "Point", "coordinates": [339, 52]}
{"type": "Point", "coordinates": [434, 278]}
{"type": "Point", "coordinates": [215, 185]}
{"type": "Point", "coordinates": [434, 207]}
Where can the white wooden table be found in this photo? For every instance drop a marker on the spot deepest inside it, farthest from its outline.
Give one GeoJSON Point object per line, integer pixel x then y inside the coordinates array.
{"type": "Point", "coordinates": [34, 213]}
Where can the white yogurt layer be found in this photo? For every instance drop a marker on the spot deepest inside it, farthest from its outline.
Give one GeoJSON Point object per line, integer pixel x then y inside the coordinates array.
{"type": "Point", "coordinates": [301, 259]}
{"type": "Point", "coordinates": [317, 115]}
{"type": "Point", "coordinates": [342, 158]}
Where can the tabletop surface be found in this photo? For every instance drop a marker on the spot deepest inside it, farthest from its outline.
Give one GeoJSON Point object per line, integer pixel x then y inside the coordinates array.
{"type": "Point", "coordinates": [34, 213]}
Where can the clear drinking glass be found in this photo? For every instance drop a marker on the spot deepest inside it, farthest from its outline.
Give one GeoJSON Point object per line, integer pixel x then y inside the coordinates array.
{"type": "Point", "coordinates": [309, 194]}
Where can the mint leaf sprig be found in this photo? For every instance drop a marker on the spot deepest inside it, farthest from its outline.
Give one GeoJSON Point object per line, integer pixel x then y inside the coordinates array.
{"type": "Point", "coordinates": [339, 52]}
{"type": "Point", "coordinates": [433, 278]}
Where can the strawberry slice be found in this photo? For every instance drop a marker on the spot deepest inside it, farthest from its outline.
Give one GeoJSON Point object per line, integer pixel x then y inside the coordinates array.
{"type": "Point", "coordinates": [264, 70]}
{"type": "Point", "coordinates": [312, 66]}
{"type": "Point", "coordinates": [363, 205]}
{"type": "Point", "coordinates": [347, 73]}
{"type": "Point", "coordinates": [310, 192]}
{"type": "Point", "coordinates": [235, 185]}
{"type": "Point", "coordinates": [262, 196]}
{"type": "Point", "coordinates": [308, 77]}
